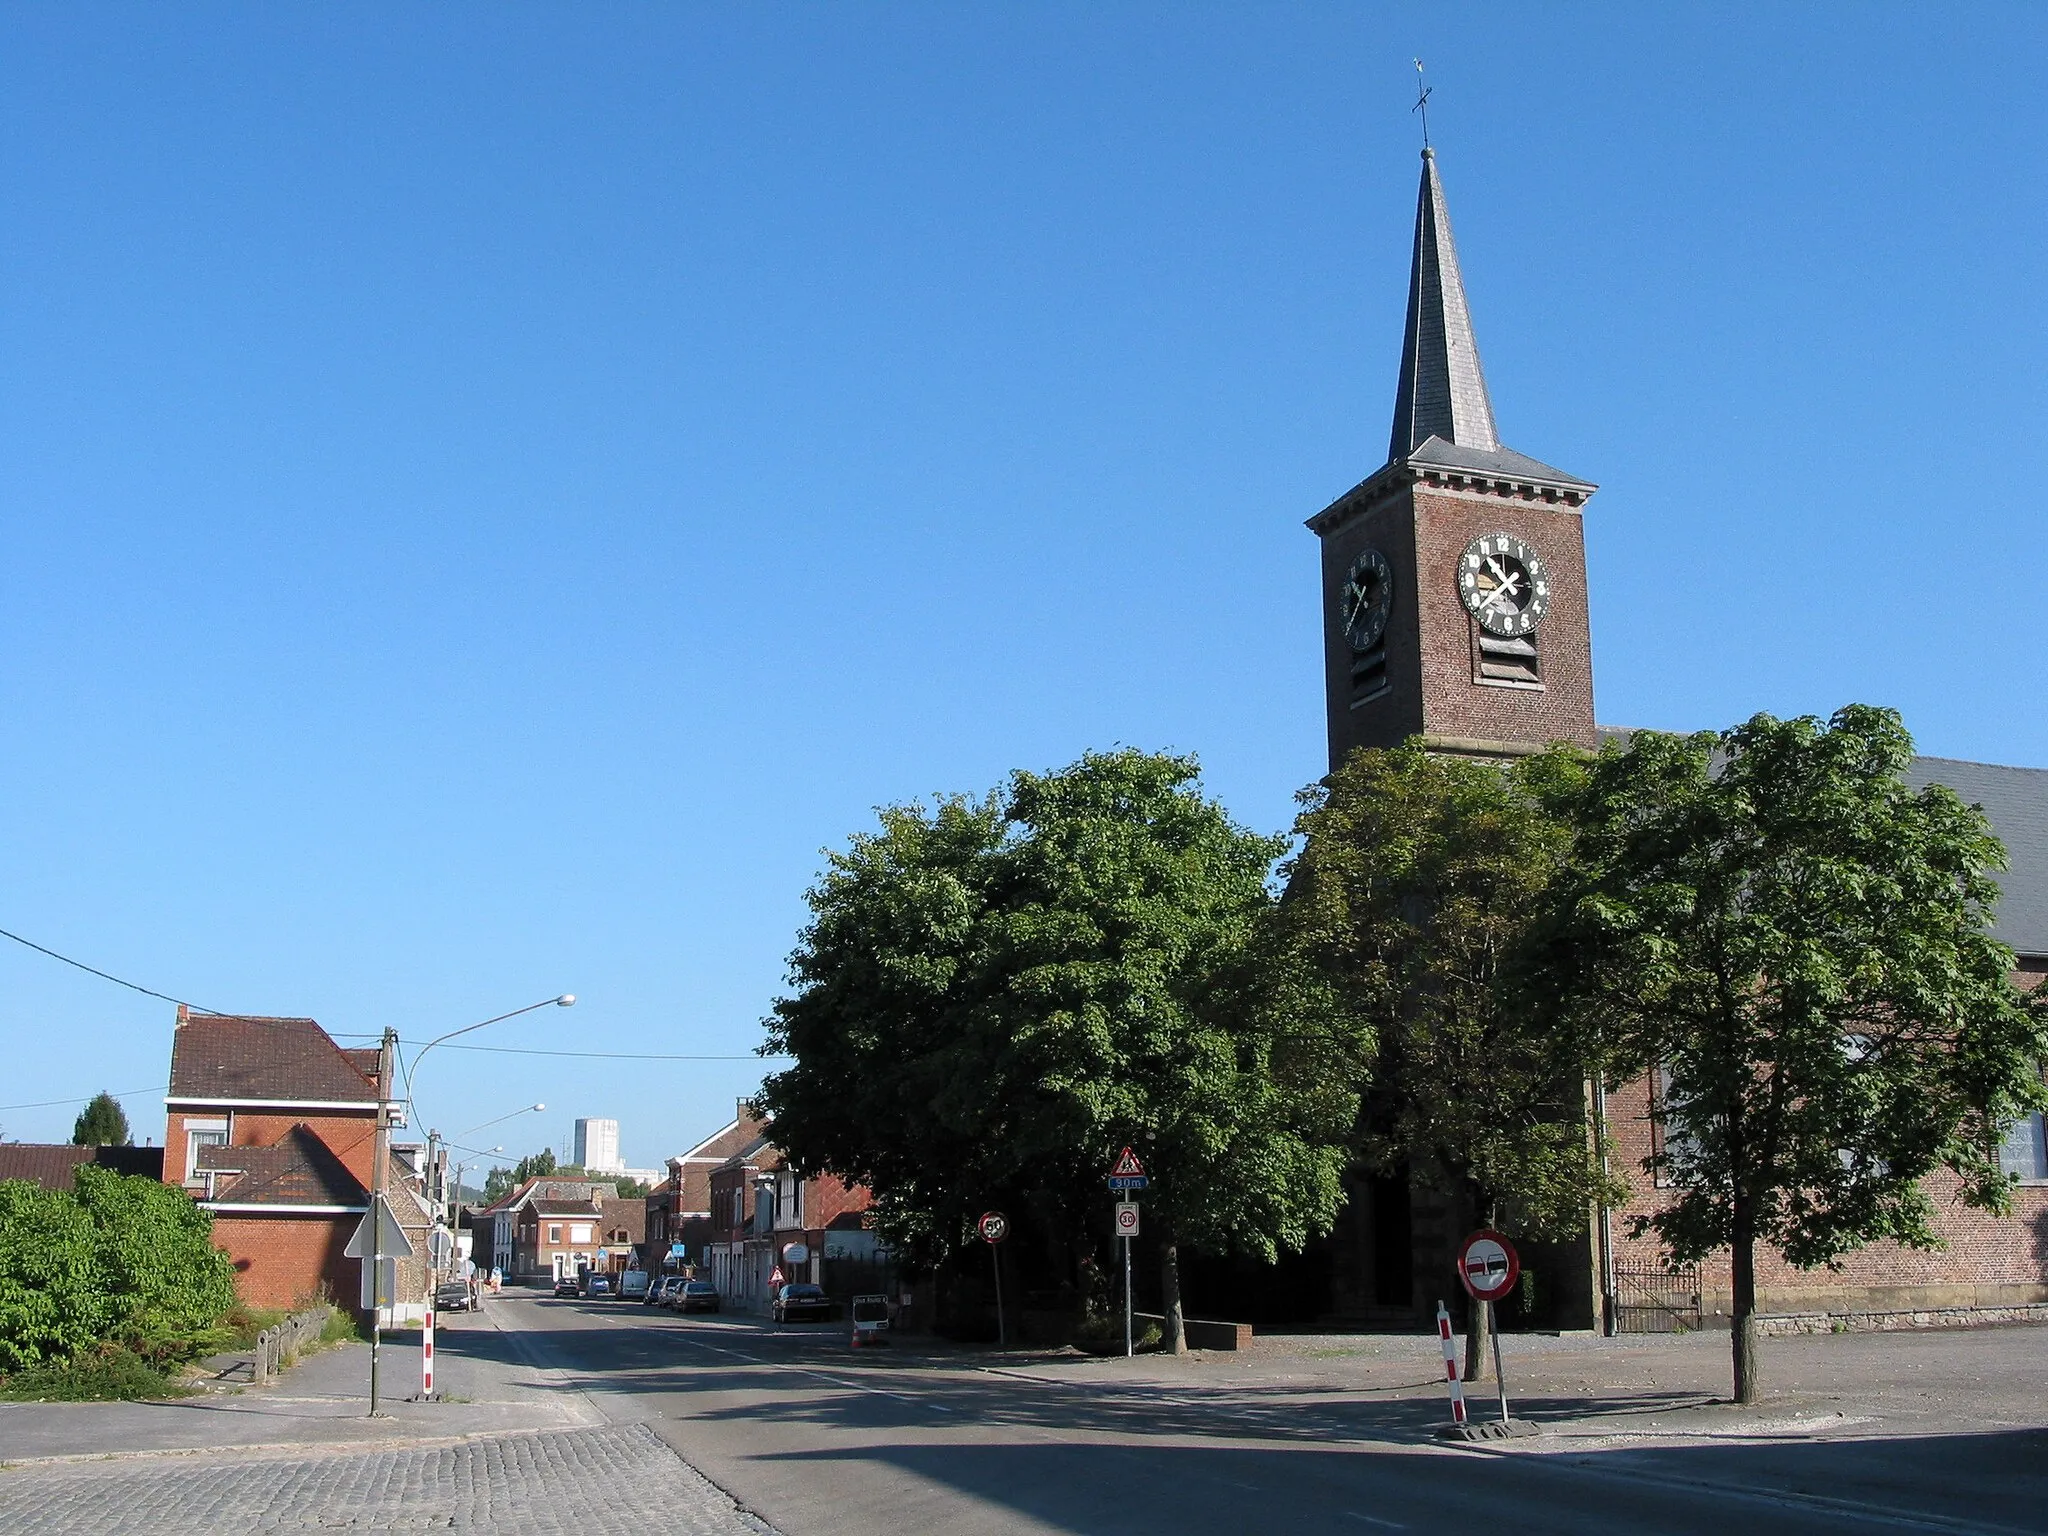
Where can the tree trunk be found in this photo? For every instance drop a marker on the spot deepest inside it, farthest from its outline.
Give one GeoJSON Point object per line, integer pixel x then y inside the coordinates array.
{"type": "Point", "coordinates": [1478, 1316]}
{"type": "Point", "coordinates": [1743, 1329]}
{"type": "Point", "coordinates": [1478, 1358]}
{"type": "Point", "coordinates": [1176, 1341]}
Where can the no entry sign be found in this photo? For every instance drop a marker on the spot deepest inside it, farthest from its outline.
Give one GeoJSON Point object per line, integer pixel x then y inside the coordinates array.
{"type": "Point", "coordinates": [1488, 1265]}
{"type": "Point", "coordinates": [993, 1227]}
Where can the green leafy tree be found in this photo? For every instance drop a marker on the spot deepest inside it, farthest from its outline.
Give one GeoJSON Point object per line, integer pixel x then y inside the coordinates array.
{"type": "Point", "coordinates": [538, 1166]}
{"type": "Point", "coordinates": [632, 1189]}
{"type": "Point", "coordinates": [166, 1286]}
{"type": "Point", "coordinates": [52, 1304]}
{"type": "Point", "coordinates": [498, 1183]}
{"type": "Point", "coordinates": [102, 1123]}
{"type": "Point", "coordinates": [994, 995]}
{"type": "Point", "coordinates": [1800, 942]}
{"type": "Point", "coordinates": [1418, 880]}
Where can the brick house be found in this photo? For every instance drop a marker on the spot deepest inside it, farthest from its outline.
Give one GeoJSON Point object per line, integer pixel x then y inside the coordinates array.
{"type": "Point", "coordinates": [271, 1126]}
{"type": "Point", "coordinates": [679, 1209]}
{"type": "Point", "coordinates": [760, 1206]}
{"type": "Point", "coordinates": [548, 1228]}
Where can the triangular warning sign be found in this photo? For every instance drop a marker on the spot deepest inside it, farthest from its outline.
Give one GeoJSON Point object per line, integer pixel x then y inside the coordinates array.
{"type": "Point", "coordinates": [1127, 1166]}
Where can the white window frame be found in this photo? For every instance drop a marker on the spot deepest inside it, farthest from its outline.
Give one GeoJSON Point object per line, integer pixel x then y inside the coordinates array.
{"type": "Point", "coordinates": [2039, 1175]}
{"type": "Point", "coordinates": [221, 1126]}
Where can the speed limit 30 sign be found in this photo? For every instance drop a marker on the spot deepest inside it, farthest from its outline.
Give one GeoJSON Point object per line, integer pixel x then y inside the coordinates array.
{"type": "Point", "coordinates": [1488, 1265]}
{"type": "Point", "coordinates": [1127, 1218]}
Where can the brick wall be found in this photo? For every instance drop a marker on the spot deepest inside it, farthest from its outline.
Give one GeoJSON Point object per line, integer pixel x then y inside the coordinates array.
{"type": "Point", "coordinates": [282, 1259]}
{"type": "Point", "coordinates": [1989, 1260]}
{"type": "Point", "coordinates": [1431, 639]}
{"type": "Point", "coordinates": [352, 1137]}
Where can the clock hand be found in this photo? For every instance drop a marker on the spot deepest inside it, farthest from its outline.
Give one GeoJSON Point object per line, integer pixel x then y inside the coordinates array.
{"type": "Point", "coordinates": [1505, 591]}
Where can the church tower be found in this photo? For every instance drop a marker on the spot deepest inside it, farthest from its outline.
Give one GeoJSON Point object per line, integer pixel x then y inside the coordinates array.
{"type": "Point", "coordinates": [1454, 577]}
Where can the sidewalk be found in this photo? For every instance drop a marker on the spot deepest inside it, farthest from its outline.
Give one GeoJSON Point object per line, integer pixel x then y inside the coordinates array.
{"type": "Point", "coordinates": [487, 1385]}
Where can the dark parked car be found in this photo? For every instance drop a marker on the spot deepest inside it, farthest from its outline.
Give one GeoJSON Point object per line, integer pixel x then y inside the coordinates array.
{"type": "Point", "coordinates": [801, 1304]}
{"type": "Point", "coordinates": [567, 1286]}
{"type": "Point", "coordinates": [452, 1296]}
{"type": "Point", "coordinates": [657, 1290]}
{"type": "Point", "coordinates": [696, 1296]}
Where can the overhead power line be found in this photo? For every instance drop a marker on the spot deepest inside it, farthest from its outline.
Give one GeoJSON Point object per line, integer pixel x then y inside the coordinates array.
{"type": "Point", "coordinates": [93, 970]}
{"type": "Point", "coordinates": [514, 1050]}
{"type": "Point", "coordinates": [46, 1103]}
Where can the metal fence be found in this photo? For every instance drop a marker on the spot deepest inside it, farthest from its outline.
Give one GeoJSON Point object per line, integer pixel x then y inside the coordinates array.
{"type": "Point", "coordinates": [1651, 1299]}
{"type": "Point", "coordinates": [275, 1346]}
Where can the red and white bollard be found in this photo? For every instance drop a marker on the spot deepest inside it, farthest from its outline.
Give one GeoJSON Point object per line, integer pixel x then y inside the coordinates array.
{"type": "Point", "coordinates": [1451, 1375]}
{"type": "Point", "coordinates": [427, 1359]}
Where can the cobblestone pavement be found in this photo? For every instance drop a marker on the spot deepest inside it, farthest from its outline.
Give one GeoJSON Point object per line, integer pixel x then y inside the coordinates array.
{"type": "Point", "coordinates": [589, 1482]}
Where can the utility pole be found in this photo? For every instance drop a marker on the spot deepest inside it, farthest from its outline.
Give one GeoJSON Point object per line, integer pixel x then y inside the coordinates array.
{"type": "Point", "coordinates": [381, 1152]}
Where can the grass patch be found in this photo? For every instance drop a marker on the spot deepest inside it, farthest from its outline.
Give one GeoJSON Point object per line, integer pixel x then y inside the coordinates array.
{"type": "Point", "coordinates": [341, 1328]}
{"type": "Point", "coordinates": [242, 1324]}
{"type": "Point", "coordinates": [112, 1375]}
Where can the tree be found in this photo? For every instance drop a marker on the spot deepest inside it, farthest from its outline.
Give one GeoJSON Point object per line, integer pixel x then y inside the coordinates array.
{"type": "Point", "coordinates": [1417, 883]}
{"type": "Point", "coordinates": [632, 1189]}
{"type": "Point", "coordinates": [101, 1123]}
{"type": "Point", "coordinates": [994, 995]}
{"type": "Point", "coordinates": [1799, 944]}
{"type": "Point", "coordinates": [51, 1305]}
{"type": "Point", "coordinates": [537, 1166]}
{"type": "Point", "coordinates": [498, 1183]}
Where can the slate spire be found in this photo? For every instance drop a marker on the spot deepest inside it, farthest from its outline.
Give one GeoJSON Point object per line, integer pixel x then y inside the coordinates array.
{"type": "Point", "coordinates": [1443, 389]}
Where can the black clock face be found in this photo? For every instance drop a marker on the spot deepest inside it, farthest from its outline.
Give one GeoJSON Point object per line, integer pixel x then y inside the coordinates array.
{"type": "Point", "coordinates": [1505, 584]}
{"type": "Point", "coordinates": [1368, 595]}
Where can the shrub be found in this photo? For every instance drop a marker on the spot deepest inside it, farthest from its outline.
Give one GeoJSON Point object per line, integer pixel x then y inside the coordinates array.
{"type": "Point", "coordinates": [52, 1304]}
{"type": "Point", "coordinates": [167, 1286]}
{"type": "Point", "coordinates": [95, 1376]}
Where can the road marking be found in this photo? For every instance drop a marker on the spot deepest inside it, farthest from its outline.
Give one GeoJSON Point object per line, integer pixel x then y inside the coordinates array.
{"type": "Point", "coordinates": [805, 1370]}
{"type": "Point", "coordinates": [1392, 1525]}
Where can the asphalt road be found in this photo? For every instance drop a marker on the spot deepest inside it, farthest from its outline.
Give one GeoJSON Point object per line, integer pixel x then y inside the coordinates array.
{"type": "Point", "coordinates": [816, 1439]}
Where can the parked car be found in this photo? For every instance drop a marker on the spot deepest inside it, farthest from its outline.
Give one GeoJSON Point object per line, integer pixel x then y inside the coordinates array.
{"type": "Point", "coordinates": [452, 1296]}
{"type": "Point", "coordinates": [801, 1304]}
{"type": "Point", "coordinates": [633, 1285]}
{"type": "Point", "coordinates": [696, 1296]}
{"type": "Point", "coordinates": [870, 1320]}
{"type": "Point", "coordinates": [598, 1285]}
{"type": "Point", "coordinates": [567, 1286]}
{"type": "Point", "coordinates": [672, 1287]}
{"type": "Point", "coordinates": [657, 1290]}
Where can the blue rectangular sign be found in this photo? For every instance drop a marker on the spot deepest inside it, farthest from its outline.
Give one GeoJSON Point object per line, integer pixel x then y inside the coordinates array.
{"type": "Point", "coordinates": [1128, 1181]}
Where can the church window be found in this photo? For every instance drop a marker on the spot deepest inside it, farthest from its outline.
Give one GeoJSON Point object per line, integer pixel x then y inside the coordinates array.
{"type": "Point", "coordinates": [1506, 661]}
{"type": "Point", "coordinates": [2023, 1153]}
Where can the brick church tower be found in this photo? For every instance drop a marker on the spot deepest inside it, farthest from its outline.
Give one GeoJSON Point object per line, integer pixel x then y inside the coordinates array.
{"type": "Point", "coordinates": [1454, 577]}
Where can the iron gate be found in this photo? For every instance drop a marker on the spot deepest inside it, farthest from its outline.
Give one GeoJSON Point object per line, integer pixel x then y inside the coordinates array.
{"type": "Point", "coordinates": [1652, 1299]}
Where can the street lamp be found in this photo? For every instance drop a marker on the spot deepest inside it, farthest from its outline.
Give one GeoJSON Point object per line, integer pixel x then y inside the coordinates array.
{"type": "Point", "coordinates": [528, 1109]}
{"type": "Point", "coordinates": [566, 1000]}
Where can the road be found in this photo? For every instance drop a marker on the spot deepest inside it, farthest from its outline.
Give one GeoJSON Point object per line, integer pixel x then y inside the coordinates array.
{"type": "Point", "coordinates": [814, 1439]}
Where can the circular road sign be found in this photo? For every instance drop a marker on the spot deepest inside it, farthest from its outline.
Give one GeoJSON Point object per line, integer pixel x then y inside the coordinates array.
{"type": "Point", "coordinates": [993, 1227]}
{"type": "Point", "coordinates": [796, 1253]}
{"type": "Point", "coordinates": [1126, 1220]}
{"type": "Point", "coordinates": [1488, 1265]}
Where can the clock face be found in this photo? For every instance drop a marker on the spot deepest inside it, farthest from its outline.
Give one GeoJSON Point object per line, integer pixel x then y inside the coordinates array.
{"type": "Point", "coordinates": [1505, 584]}
{"type": "Point", "coordinates": [1368, 595]}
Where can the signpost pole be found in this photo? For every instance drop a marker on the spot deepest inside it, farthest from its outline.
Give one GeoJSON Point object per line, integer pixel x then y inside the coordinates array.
{"type": "Point", "coordinates": [1499, 1377]}
{"type": "Point", "coordinates": [380, 1150]}
{"type": "Point", "coordinates": [995, 1254]}
{"type": "Point", "coordinates": [1127, 1299]}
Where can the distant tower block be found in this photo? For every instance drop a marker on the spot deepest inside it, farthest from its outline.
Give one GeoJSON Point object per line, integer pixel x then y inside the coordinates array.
{"type": "Point", "coordinates": [597, 1146]}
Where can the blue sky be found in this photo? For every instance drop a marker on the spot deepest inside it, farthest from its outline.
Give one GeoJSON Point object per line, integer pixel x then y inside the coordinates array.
{"type": "Point", "coordinates": [490, 493]}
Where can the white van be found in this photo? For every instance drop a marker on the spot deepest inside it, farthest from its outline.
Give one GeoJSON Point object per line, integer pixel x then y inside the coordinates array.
{"type": "Point", "coordinates": [633, 1285]}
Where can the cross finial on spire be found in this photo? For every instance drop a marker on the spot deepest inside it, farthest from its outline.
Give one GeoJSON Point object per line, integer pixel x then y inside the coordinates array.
{"type": "Point", "coordinates": [1422, 102]}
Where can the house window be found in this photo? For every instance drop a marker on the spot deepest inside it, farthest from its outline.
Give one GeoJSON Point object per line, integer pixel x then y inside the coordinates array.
{"type": "Point", "coordinates": [2024, 1152]}
{"type": "Point", "coordinates": [579, 1232]}
{"type": "Point", "coordinates": [554, 1232]}
{"type": "Point", "coordinates": [1665, 1143]}
{"type": "Point", "coordinates": [202, 1133]}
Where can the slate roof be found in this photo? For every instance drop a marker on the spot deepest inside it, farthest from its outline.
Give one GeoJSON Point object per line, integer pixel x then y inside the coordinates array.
{"type": "Point", "coordinates": [2016, 801]}
{"type": "Point", "coordinates": [1442, 391]}
{"type": "Point", "coordinates": [53, 1167]}
{"type": "Point", "coordinates": [1496, 462]}
{"type": "Point", "coordinates": [296, 1169]}
{"type": "Point", "coordinates": [275, 1060]}
{"type": "Point", "coordinates": [556, 1210]}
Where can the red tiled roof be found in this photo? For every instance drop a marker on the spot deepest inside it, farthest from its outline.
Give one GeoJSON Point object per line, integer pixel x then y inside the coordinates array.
{"type": "Point", "coordinates": [296, 1169]}
{"type": "Point", "coordinates": [273, 1060]}
{"type": "Point", "coordinates": [54, 1167]}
